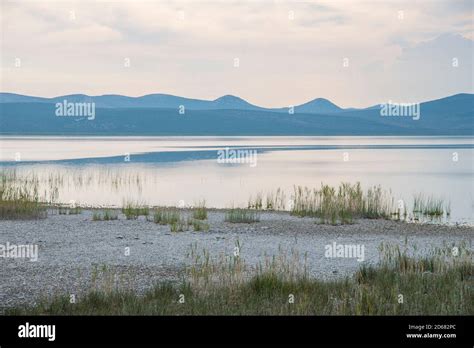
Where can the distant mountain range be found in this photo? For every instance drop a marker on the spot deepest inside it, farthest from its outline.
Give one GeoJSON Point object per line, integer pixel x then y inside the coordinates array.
{"type": "Point", "coordinates": [159, 114]}
{"type": "Point", "coordinates": [166, 101]}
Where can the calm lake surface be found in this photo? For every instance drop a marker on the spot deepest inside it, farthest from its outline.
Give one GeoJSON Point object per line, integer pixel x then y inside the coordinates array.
{"type": "Point", "coordinates": [181, 171]}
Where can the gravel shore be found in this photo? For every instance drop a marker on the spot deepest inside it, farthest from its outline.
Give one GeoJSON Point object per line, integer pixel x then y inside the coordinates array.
{"type": "Point", "coordinates": [73, 247]}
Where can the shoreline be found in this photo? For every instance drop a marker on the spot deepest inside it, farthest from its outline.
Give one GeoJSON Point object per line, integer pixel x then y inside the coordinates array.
{"type": "Point", "coordinates": [73, 247]}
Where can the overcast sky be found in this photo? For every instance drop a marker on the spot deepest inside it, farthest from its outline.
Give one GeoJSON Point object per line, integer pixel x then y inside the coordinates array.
{"type": "Point", "coordinates": [355, 53]}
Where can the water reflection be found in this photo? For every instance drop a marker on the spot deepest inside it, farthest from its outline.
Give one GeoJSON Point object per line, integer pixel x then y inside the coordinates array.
{"type": "Point", "coordinates": [407, 172]}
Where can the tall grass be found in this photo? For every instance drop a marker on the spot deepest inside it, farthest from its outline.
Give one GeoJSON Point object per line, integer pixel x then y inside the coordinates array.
{"type": "Point", "coordinates": [200, 212]}
{"type": "Point", "coordinates": [274, 200]}
{"type": "Point", "coordinates": [70, 211]}
{"type": "Point", "coordinates": [133, 210]}
{"type": "Point", "coordinates": [200, 226]}
{"type": "Point", "coordinates": [430, 206]}
{"type": "Point", "coordinates": [237, 215]}
{"type": "Point", "coordinates": [166, 216]}
{"type": "Point", "coordinates": [107, 215]}
{"type": "Point", "coordinates": [342, 204]}
{"type": "Point", "coordinates": [437, 284]}
{"type": "Point", "coordinates": [19, 202]}
{"type": "Point", "coordinates": [181, 225]}
{"type": "Point", "coordinates": [177, 220]}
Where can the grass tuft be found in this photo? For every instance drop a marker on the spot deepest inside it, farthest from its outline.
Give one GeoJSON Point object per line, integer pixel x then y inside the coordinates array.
{"type": "Point", "coordinates": [166, 216]}
{"type": "Point", "coordinates": [430, 206]}
{"type": "Point", "coordinates": [237, 215]}
{"type": "Point", "coordinates": [342, 204]}
{"type": "Point", "coordinates": [133, 210]}
{"type": "Point", "coordinates": [200, 212]}
{"type": "Point", "coordinates": [107, 215]}
{"type": "Point", "coordinates": [20, 202]}
{"type": "Point", "coordinates": [437, 284]}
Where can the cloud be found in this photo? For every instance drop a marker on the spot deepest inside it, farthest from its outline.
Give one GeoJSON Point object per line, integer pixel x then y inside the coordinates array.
{"type": "Point", "coordinates": [289, 51]}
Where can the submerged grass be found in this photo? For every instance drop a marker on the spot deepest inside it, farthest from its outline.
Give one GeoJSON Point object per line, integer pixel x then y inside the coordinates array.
{"type": "Point", "coordinates": [438, 284]}
{"type": "Point", "coordinates": [430, 206]}
{"type": "Point", "coordinates": [19, 198]}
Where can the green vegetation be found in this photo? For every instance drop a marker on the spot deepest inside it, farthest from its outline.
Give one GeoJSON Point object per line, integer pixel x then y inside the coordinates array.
{"type": "Point", "coordinates": [430, 206]}
{"type": "Point", "coordinates": [178, 222]}
{"type": "Point", "coordinates": [437, 284]}
{"type": "Point", "coordinates": [200, 226]}
{"type": "Point", "coordinates": [107, 215]}
{"type": "Point", "coordinates": [19, 200]}
{"type": "Point", "coordinates": [343, 204]}
{"type": "Point", "coordinates": [237, 215]}
{"type": "Point", "coordinates": [69, 211]}
{"type": "Point", "coordinates": [180, 226]}
{"type": "Point", "coordinates": [200, 212]}
{"type": "Point", "coordinates": [273, 201]}
{"type": "Point", "coordinates": [133, 210]}
{"type": "Point", "coordinates": [166, 216]}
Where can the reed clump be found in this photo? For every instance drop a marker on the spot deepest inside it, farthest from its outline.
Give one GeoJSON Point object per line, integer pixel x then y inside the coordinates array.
{"type": "Point", "coordinates": [430, 206]}
{"type": "Point", "coordinates": [200, 211]}
{"type": "Point", "coordinates": [133, 210]}
{"type": "Point", "coordinates": [107, 215]}
{"type": "Point", "coordinates": [200, 225]}
{"type": "Point", "coordinates": [20, 202]}
{"type": "Point", "coordinates": [274, 200]}
{"type": "Point", "coordinates": [166, 216]}
{"type": "Point", "coordinates": [237, 215]}
{"type": "Point", "coordinates": [70, 211]}
{"type": "Point", "coordinates": [439, 283]}
{"type": "Point", "coordinates": [343, 204]}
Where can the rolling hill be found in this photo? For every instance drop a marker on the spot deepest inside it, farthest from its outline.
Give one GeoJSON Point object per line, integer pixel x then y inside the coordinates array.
{"type": "Point", "coordinates": [157, 114]}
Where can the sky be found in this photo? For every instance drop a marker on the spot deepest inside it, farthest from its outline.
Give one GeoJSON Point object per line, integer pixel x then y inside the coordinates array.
{"type": "Point", "coordinates": [270, 53]}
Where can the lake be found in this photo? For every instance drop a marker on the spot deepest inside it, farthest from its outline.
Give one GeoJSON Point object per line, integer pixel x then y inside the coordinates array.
{"type": "Point", "coordinates": [181, 171]}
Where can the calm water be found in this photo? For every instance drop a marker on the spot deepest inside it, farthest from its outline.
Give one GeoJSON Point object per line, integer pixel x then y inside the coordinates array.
{"type": "Point", "coordinates": [184, 170]}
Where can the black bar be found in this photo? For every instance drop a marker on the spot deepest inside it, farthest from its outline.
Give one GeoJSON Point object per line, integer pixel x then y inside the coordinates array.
{"type": "Point", "coordinates": [328, 330]}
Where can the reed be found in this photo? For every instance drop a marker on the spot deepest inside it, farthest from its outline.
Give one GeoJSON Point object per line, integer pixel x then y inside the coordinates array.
{"type": "Point", "coordinates": [237, 215]}
{"type": "Point", "coordinates": [430, 206]}
{"type": "Point", "coordinates": [166, 216]}
{"type": "Point", "coordinates": [20, 201]}
{"type": "Point", "coordinates": [180, 225]}
{"type": "Point", "coordinates": [69, 211]}
{"type": "Point", "coordinates": [342, 204]}
{"type": "Point", "coordinates": [200, 212]}
{"type": "Point", "coordinates": [200, 226]}
{"type": "Point", "coordinates": [435, 284]}
{"type": "Point", "coordinates": [274, 200]}
{"type": "Point", "coordinates": [107, 215]}
{"type": "Point", "coordinates": [133, 210]}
